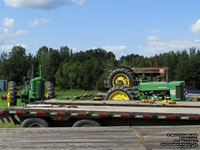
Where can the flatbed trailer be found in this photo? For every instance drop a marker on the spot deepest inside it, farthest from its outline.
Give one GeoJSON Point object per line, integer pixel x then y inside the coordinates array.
{"type": "Point", "coordinates": [102, 113]}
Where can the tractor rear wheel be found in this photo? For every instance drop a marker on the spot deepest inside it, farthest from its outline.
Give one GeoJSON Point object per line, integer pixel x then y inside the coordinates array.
{"type": "Point", "coordinates": [121, 76]}
{"type": "Point", "coordinates": [12, 94]}
{"type": "Point", "coordinates": [120, 93]}
{"type": "Point", "coordinates": [49, 90]}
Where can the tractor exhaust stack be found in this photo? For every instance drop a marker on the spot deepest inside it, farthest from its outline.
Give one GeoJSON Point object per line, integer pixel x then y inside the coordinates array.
{"type": "Point", "coordinates": [33, 72]}
{"type": "Point", "coordinates": [41, 71]}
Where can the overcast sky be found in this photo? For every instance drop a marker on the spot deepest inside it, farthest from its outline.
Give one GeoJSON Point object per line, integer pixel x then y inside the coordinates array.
{"type": "Point", "coordinates": [145, 27]}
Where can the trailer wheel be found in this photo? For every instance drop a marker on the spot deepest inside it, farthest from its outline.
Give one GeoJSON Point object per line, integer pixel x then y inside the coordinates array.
{"type": "Point", "coordinates": [121, 76]}
{"type": "Point", "coordinates": [120, 93]}
{"type": "Point", "coordinates": [49, 90]}
{"type": "Point", "coordinates": [34, 123]}
{"type": "Point", "coordinates": [86, 123]}
{"type": "Point", "coordinates": [12, 94]}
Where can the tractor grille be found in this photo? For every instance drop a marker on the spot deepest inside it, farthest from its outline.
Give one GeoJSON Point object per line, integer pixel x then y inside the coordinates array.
{"type": "Point", "coordinates": [179, 92]}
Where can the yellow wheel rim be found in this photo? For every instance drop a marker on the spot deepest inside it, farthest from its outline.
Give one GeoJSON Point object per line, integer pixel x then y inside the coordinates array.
{"type": "Point", "coordinates": [119, 95]}
{"type": "Point", "coordinates": [121, 79]}
{"type": "Point", "coordinates": [8, 97]}
{"type": "Point", "coordinates": [46, 93]}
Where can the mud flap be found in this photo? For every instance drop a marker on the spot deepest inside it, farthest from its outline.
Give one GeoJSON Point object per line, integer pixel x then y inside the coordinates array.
{"type": "Point", "coordinates": [9, 118]}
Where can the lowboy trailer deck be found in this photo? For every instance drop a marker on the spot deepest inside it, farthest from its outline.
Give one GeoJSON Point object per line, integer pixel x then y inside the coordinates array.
{"type": "Point", "coordinates": [101, 113]}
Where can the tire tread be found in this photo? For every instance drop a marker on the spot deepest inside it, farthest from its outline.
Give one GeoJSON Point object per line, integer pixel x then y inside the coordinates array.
{"type": "Point", "coordinates": [123, 70]}
{"type": "Point", "coordinates": [125, 89]}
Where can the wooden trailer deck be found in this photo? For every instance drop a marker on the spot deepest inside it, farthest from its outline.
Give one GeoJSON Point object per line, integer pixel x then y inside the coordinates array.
{"type": "Point", "coordinates": [129, 110]}
{"type": "Point", "coordinates": [49, 108]}
{"type": "Point", "coordinates": [120, 103]}
{"type": "Point", "coordinates": [104, 138]}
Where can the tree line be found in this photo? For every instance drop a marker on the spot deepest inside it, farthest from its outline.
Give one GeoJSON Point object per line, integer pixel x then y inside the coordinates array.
{"type": "Point", "coordinates": [88, 69]}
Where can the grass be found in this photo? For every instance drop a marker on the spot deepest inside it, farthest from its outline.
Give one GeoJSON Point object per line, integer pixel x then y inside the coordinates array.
{"type": "Point", "coordinates": [9, 125]}
{"type": "Point", "coordinates": [3, 104]}
{"type": "Point", "coordinates": [71, 92]}
{"type": "Point", "coordinates": [74, 92]}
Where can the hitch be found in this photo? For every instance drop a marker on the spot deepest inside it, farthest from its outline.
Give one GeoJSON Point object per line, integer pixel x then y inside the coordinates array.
{"type": "Point", "coordinates": [4, 97]}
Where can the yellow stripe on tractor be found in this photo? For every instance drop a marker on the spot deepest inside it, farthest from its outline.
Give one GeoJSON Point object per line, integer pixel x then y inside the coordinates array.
{"type": "Point", "coordinates": [46, 93]}
{"type": "Point", "coordinates": [8, 97]}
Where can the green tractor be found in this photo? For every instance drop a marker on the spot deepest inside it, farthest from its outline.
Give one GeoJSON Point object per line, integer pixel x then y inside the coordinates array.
{"type": "Point", "coordinates": [152, 84]}
{"type": "Point", "coordinates": [149, 90]}
{"type": "Point", "coordinates": [34, 89]}
{"type": "Point", "coordinates": [133, 76]}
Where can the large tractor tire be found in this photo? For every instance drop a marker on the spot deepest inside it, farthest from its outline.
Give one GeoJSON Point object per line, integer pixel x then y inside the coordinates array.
{"type": "Point", "coordinates": [49, 90]}
{"type": "Point", "coordinates": [121, 76]}
{"type": "Point", "coordinates": [12, 94]}
{"type": "Point", "coordinates": [120, 93]}
{"type": "Point", "coordinates": [34, 123]}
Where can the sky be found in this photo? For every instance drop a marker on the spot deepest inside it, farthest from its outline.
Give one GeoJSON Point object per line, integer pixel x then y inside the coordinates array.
{"type": "Point", "coordinates": [144, 27]}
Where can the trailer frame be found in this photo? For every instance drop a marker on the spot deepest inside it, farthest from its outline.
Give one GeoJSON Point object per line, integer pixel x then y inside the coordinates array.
{"type": "Point", "coordinates": [64, 111]}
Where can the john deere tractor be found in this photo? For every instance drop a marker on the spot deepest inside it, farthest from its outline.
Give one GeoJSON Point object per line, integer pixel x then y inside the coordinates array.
{"type": "Point", "coordinates": [34, 89]}
{"type": "Point", "coordinates": [143, 83]}
{"type": "Point", "coordinates": [133, 76]}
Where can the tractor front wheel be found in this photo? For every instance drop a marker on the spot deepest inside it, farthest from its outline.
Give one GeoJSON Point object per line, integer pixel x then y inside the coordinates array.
{"type": "Point", "coordinates": [120, 93]}
{"type": "Point", "coordinates": [12, 94]}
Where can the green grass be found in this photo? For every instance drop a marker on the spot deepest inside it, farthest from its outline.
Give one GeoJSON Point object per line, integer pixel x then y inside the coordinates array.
{"type": "Point", "coordinates": [9, 125]}
{"type": "Point", "coordinates": [71, 92]}
{"type": "Point", "coordinates": [74, 92]}
{"type": "Point", "coordinates": [3, 103]}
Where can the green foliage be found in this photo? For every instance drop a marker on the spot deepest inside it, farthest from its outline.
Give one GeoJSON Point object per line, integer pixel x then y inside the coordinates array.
{"type": "Point", "coordinates": [87, 70]}
{"type": "Point", "coordinates": [194, 73]}
{"type": "Point", "coordinates": [99, 84]}
{"type": "Point", "coordinates": [182, 66]}
{"type": "Point", "coordinates": [50, 61]}
{"type": "Point", "coordinates": [15, 64]}
{"type": "Point", "coordinates": [84, 69]}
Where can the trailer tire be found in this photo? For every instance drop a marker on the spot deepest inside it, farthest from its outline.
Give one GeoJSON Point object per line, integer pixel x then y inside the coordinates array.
{"type": "Point", "coordinates": [123, 76]}
{"type": "Point", "coordinates": [12, 94]}
{"type": "Point", "coordinates": [34, 123]}
{"type": "Point", "coordinates": [86, 123]}
{"type": "Point", "coordinates": [49, 90]}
